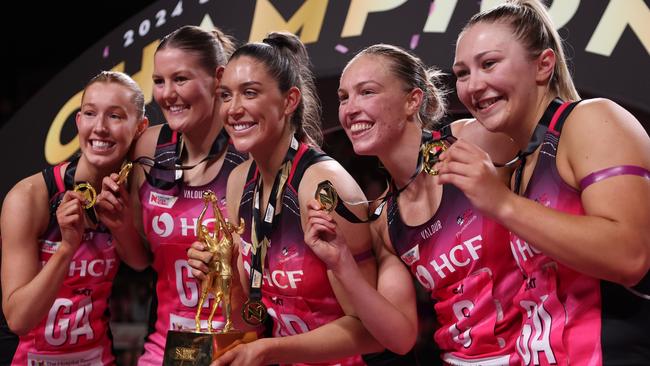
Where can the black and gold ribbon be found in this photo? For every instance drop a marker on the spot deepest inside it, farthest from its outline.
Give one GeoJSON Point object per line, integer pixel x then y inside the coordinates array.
{"type": "Point", "coordinates": [254, 311]}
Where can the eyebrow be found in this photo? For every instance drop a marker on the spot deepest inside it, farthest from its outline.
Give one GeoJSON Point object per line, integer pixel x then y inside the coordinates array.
{"type": "Point", "coordinates": [477, 56]}
{"type": "Point", "coordinates": [245, 84]}
{"type": "Point", "coordinates": [362, 83]}
{"type": "Point", "coordinates": [110, 107]}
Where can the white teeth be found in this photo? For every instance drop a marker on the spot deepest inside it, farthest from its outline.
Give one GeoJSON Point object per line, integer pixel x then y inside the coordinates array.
{"type": "Point", "coordinates": [487, 102]}
{"type": "Point", "coordinates": [360, 126]}
{"type": "Point", "coordinates": [176, 108]}
{"type": "Point", "coordinates": [241, 126]}
{"type": "Point", "coordinates": [101, 145]}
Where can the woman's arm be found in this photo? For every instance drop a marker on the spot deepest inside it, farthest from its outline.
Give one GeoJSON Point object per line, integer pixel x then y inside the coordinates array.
{"type": "Point", "coordinates": [28, 290]}
{"type": "Point", "coordinates": [611, 240]}
{"type": "Point", "coordinates": [394, 297]}
{"type": "Point", "coordinates": [116, 211]}
{"type": "Point", "coordinates": [343, 337]}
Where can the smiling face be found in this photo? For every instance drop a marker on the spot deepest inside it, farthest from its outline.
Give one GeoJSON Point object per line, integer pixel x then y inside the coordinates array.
{"type": "Point", "coordinates": [183, 89]}
{"type": "Point", "coordinates": [497, 80]}
{"type": "Point", "coordinates": [373, 104]}
{"type": "Point", "coordinates": [253, 109]}
{"type": "Point", "coordinates": [107, 123]}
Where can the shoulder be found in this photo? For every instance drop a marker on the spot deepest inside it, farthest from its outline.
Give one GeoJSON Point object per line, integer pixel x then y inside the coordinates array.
{"type": "Point", "coordinates": [235, 186]}
{"type": "Point", "coordinates": [29, 189]}
{"type": "Point", "coordinates": [603, 120]}
{"type": "Point", "coordinates": [381, 238]}
{"type": "Point", "coordinates": [30, 198]}
{"type": "Point", "coordinates": [498, 145]}
{"type": "Point", "coordinates": [458, 126]}
{"type": "Point", "coordinates": [600, 111]}
{"type": "Point", "coordinates": [593, 130]}
{"type": "Point", "coordinates": [146, 144]}
{"type": "Point", "coordinates": [238, 175]}
{"type": "Point", "coordinates": [333, 171]}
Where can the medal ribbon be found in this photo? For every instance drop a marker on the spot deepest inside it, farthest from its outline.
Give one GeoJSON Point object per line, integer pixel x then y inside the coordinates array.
{"type": "Point", "coordinates": [535, 140]}
{"type": "Point", "coordinates": [262, 227]}
{"type": "Point", "coordinates": [166, 162]}
{"type": "Point", "coordinates": [426, 159]}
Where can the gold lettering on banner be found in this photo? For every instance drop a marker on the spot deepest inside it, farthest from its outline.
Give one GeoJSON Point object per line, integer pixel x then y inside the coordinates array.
{"type": "Point", "coordinates": [358, 14]}
{"type": "Point", "coordinates": [618, 15]}
{"type": "Point", "coordinates": [438, 20]}
{"type": "Point", "coordinates": [143, 77]}
{"type": "Point", "coordinates": [55, 151]}
{"type": "Point", "coordinates": [308, 20]}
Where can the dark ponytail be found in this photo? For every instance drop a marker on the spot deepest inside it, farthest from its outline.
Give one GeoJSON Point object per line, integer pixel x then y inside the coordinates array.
{"type": "Point", "coordinates": [287, 61]}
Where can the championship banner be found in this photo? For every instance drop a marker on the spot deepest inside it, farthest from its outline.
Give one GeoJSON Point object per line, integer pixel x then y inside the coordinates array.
{"type": "Point", "coordinates": [608, 45]}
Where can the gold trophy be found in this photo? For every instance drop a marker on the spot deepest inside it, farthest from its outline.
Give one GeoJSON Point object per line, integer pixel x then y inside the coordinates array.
{"type": "Point", "coordinates": [203, 346]}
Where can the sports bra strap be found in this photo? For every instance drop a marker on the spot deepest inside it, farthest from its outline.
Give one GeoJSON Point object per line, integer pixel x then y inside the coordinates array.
{"type": "Point", "coordinates": [560, 116]}
{"type": "Point", "coordinates": [305, 158]}
{"type": "Point", "coordinates": [55, 185]}
{"type": "Point", "coordinates": [166, 137]}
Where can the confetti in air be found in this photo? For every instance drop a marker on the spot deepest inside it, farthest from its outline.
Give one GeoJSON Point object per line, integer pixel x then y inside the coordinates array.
{"type": "Point", "coordinates": [105, 53]}
{"type": "Point", "coordinates": [415, 39]}
{"type": "Point", "coordinates": [341, 48]}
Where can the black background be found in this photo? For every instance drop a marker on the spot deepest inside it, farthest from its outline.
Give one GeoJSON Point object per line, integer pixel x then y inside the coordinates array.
{"type": "Point", "coordinates": [40, 38]}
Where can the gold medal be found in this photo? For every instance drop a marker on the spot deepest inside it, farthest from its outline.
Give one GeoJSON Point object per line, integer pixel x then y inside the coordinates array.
{"type": "Point", "coordinates": [326, 195]}
{"type": "Point", "coordinates": [88, 193]}
{"type": "Point", "coordinates": [254, 312]}
{"type": "Point", "coordinates": [430, 153]}
{"type": "Point", "coordinates": [124, 172]}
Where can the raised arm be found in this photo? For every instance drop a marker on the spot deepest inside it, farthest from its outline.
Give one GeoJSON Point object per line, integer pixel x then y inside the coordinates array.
{"type": "Point", "coordinates": [611, 241]}
{"type": "Point", "coordinates": [28, 291]}
{"type": "Point", "coordinates": [343, 337]}
{"type": "Point", "coordinates": [394, 296]}
{"type": "Point", "coordinates": [116, 210]}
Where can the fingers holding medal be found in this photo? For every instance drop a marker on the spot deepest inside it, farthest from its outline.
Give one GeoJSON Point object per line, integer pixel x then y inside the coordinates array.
{"type": "Point", "coordinates": [88, 194]}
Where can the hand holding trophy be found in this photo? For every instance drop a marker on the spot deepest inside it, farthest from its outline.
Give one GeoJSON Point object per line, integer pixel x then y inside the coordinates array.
{"type": "Point", "coordinates": [219, 278]}
{"type": "Point", "coordinates": [204, 345]}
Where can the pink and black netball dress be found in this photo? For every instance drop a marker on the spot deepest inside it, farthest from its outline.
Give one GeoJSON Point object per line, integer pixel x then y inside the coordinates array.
{"type": "Point", "coordinates": [464, 261]}
{"type": "Point", "coordinates": [571, 318]}
{"type": "Point", "coordinates": [75, 330]}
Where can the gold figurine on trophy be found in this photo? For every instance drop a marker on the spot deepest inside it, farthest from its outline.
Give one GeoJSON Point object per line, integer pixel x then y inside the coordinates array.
{"type": "Point", "coordinates": [219, 277]}
{"type": "Point", "coordinates": [203, 346]}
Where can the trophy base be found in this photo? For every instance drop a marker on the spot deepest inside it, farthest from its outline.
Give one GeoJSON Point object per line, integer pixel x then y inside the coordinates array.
{"type": "Point", "coordinates": [200, 349]}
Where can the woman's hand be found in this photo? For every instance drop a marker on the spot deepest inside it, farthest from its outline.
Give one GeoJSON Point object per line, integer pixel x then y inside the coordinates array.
{"type": "Point", "coordinates": [245, 354]}
{"type": "Point", "coordinates": [70, 216]}
{"type": "Point", "coordinates": [198, 258]}
{"type": "Point", "coordinates": [470, 169]}
{"type": "Point", "coordinates": [113, 204]}
{"type": "Point", "coordinates": [323, 236]}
